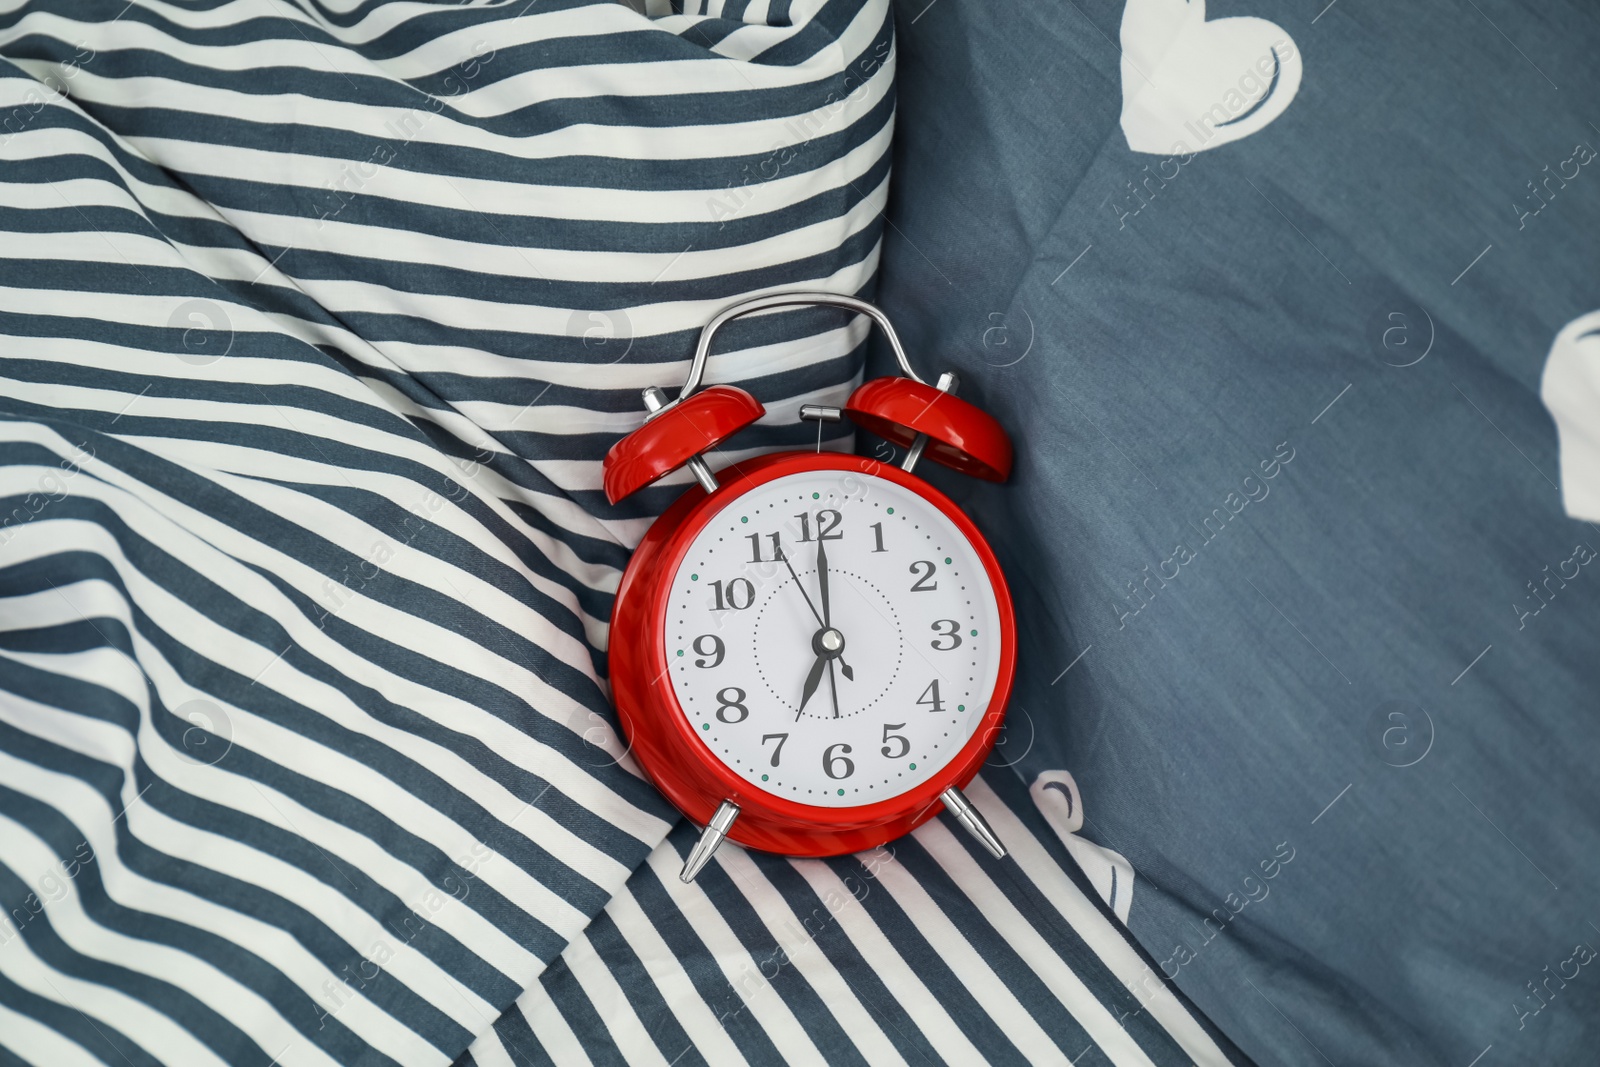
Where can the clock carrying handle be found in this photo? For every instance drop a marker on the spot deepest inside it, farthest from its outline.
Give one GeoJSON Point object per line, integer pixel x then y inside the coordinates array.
{"type": "Point", "coordinates": [922, 417]}
{"type": "Point", "coordinates": [769, 301]}
{"type": "Point", "coordinates": [679, 431]}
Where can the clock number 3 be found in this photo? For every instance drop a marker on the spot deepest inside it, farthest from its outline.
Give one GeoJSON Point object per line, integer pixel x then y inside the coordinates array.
{"type": "Point", "coordinates": [939, 628]}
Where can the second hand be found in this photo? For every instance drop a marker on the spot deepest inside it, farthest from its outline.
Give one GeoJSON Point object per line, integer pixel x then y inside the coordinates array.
{"type": "Point", "coordinates": [797, 584]}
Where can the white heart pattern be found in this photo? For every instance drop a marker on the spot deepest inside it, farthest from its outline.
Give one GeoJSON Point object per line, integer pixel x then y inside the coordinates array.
{"type": "Point", "coordinates": [1189, 85]}
{"type": "Point", "coordinates": [1056, 794]}
{"type": "Point", "coordinates": [1571, 391]}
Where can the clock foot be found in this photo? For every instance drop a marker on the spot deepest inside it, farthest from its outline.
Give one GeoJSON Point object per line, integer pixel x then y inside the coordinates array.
{"type": "Point", "coordinates": [967, 816]}
{"type": "Point", "coordinates": [711, 837]}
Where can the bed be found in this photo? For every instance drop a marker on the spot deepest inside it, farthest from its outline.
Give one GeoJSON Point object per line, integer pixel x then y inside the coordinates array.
{"type": "Point", "coordinates": [320, 319]}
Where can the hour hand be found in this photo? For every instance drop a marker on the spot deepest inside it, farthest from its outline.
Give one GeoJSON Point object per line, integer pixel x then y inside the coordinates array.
{"type": "Point", "coordinates": [812, 681]}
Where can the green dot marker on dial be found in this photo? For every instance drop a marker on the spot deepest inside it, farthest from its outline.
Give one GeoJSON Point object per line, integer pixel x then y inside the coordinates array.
{"type": "Point", "coordinates": [974, 633]}
{"type": "Point", "coordinates": [913, 766]}
{"type": "Point", "coordinates": [680, 651]}
{"type": "Point", "coordinates": [816, 496]}
{"type": "Point", "coordinates": [961, 707]}
{"type": "Point", "coordinates": [763, 777]}
{"type": "Point", "coordinates": [841, 792]}
{"type": "Point", "coordinates": [744, 518]}
{"type": "Point", "coordinates": [891, 511]}
{"type": "Point", "coordinates": [705, 726]}
{"type": "Point", "coordinates": [947, 559]}
{"type": "Point", "coordinates": [694, 577]}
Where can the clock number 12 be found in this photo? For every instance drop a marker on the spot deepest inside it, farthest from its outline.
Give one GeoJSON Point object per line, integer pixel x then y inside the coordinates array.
{"type": "Point", "coordinates": [828, 521]}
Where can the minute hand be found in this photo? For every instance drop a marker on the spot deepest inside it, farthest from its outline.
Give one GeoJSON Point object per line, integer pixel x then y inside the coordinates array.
{"type": "Point", "coordinates": [827, 614]}
{"type": "Point", "coordinates": [822, 580]}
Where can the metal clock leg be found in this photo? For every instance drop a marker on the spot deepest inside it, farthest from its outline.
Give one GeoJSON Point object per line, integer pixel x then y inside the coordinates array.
{"type": "Point", "coordinates": [710, 838]}
{"type": "Point", "coordinates": [968, 816]}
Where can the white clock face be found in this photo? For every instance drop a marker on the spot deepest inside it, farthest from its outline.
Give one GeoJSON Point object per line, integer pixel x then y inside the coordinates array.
{"type": "Point", "coordinates": [833, 638]}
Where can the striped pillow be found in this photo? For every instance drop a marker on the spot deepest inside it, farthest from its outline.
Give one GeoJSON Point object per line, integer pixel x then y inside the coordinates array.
{"type": "Point", "coordinates": [318, 320]}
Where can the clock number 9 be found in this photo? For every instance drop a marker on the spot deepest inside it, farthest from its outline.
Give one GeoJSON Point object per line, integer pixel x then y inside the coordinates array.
{"type": "Point", "coordinates": [938, 627]}
{"type": "Point", "coordinates": [731, 703]}
{"type": "Point", "coordinates": [830, 761]}
{"type": "Point", "coordinates": [905, 745]}
{"type": "Point", "coordinates": [717, 649]}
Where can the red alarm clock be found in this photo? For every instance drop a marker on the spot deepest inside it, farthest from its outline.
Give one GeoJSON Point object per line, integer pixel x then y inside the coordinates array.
{"type": "Point", "coordinates": [812, 651]}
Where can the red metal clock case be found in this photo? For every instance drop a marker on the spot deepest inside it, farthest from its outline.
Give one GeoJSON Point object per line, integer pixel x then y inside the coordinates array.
{"type": "Point", "coordinates": [682, 766]}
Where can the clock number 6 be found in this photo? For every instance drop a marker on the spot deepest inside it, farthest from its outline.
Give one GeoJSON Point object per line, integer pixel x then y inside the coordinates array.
{"type": "Point", "coordinates": [717, 649]}
{"type": "Point", "coordinates": [830, 761]}
{"type": "Point", "coordinates": [905, 745]}
{"type": "Point", "coordinates": [777, 752]}
{"type": "Point", "coordinates": [734, 702]}
{"type": "Point", "coordinates": [939, 628]}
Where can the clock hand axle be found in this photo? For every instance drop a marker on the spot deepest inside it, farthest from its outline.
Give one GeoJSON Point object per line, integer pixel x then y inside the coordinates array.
{"type": "Point", "coordinates": [828, 644]}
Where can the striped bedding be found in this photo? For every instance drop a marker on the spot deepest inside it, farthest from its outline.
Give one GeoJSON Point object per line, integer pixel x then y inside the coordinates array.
{"type": "Point", "coordinates": [318, 319]}
{"type": "Point", "coordinates": [923, 951]}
